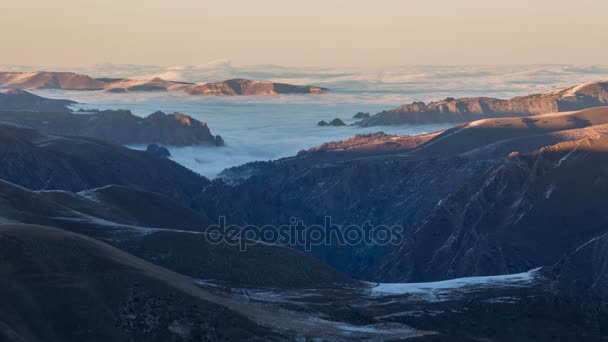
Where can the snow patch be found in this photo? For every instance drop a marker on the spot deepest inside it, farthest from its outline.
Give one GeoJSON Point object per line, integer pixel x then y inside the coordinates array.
{"type": "Point", "coordinates": [549, 191]}
{"type": "Point", "coordinates": [444, 290]}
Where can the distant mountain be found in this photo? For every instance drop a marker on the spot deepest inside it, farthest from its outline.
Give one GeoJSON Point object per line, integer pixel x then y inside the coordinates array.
{"type": "Point", "coordinates": [154, 84]}
{"type": "Point", "coordinates": [72, 81]}
{"type": "Point", "coordinates": [52, 116]}
{"type": "Point", "coordinates": [20, 100]}
{"type": "Point", "coordinates": [453, 110]}
{"type": "Point", "coordinates": [249, 87]}
{"type": "Point", "coordinates": [49, 80]}
{"type": "Point", "coordinates": [117, 126]}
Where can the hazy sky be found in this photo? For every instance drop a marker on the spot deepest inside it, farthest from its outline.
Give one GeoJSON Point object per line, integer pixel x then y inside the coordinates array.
{"type": "Point", "coordinates": [303, 33]}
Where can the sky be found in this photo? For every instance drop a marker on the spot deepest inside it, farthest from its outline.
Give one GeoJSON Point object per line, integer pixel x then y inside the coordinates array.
{"type": "Point", "coordinates": [350, 33]}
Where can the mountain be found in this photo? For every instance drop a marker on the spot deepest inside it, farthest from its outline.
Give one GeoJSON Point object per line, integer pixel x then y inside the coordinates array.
{"type": "Point", "coordinates": [117, 126]}
{"type": "Point", "coordinates": [508, 212]}
{"type": "Point", "coordinates": [20, 100]}
{"type": "Point", "coordinates": [405, 181]}
{"type": "Point", "coordinates": [137, 202]}
{"type": "Point", "coordinates": [494, 225]}
{"type": "Point", "coordinates": [154, 84]}
{"type": "Point", "coordinates": [43, 162]}
{"type": "Point", "coordinates": [453, 110]}
{"type": "Point", "coordinates": [248, 87]}
{"type": "Point", "coordinates": [72, 81]}
{"type": "Point", "coordinates": [49, 80]}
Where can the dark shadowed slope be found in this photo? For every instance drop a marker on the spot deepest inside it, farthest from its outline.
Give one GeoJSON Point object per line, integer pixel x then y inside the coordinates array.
{"type": "Point", "coordinates": [527, 212]}
{"type": "Point", "coordinates": [165, 233]}
{"type": "Point", "coordinates": [468, 109]}
{"type": "Point", "coordinates": [44, 162]}
{"type": "Point", "coordinates": [58, 286]}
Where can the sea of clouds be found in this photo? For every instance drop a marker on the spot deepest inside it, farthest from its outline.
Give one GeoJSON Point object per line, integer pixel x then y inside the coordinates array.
{"type": "Point", "coordinates": [265, 128]}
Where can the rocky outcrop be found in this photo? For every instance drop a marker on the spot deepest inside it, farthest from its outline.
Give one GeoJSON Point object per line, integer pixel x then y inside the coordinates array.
{"type": "Point", "coordinates": [72, 81]}
{"type": "Point", "coordinates": [119, 126]}
{"type": "Point", "coordinates": [453, 110]}
{"type": "Point", "coordinates": [20, 100]}
{"type": "Point", "coordinates": [361, 115]}
{"type": "Point", "coordinates": [335, 122]}
{"type": "Point", "coordinates": [158, 151]}
{"type": "Point", "coordinates": [248, 87]}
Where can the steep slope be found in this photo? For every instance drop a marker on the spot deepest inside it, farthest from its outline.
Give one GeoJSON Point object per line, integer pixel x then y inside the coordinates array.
{"type": "Point", "coordinates": [468, 109]}
{"type": "Point", "coordinates": [165, 233]}
{"type": "Point", "coordinates": [58, 286]}
{"type": "Point", "coordinates": [352, 183]}
{"type": "Point", "coordinates": [525, 213]}
{"type": "Point", "coordinates": [583, 277]}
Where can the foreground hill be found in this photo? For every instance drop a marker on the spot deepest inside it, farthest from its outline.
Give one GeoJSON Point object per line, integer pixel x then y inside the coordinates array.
{"type": "Point", "coordinates": [119, 297]}
{"type": "Point", "coordinates": [72, 81]}
{"type": "Point", "coordinates": [467, 109]}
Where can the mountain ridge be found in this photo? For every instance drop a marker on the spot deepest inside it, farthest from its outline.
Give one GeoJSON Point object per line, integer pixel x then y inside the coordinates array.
{"type": "Point", "coordinates": [451, 110]}
{"type": "Point", "coordinates": [72, 81]}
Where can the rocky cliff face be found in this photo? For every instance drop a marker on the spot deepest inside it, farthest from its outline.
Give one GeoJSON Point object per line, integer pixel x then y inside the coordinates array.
{"type": "Point", "coordinates": [72, 81]}
{"type": "Point", "coordinates": [468, 109]}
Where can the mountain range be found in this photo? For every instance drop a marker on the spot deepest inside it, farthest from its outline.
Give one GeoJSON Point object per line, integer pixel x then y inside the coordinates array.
{"type": "Point", "coordinates": [73, 81]}
{"type": "Point", "coordinates": [504, 237]}
{"type": "Point", "coordinates": [451, 110]}
{"type": "Point", "coordinates": [52, 116]}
